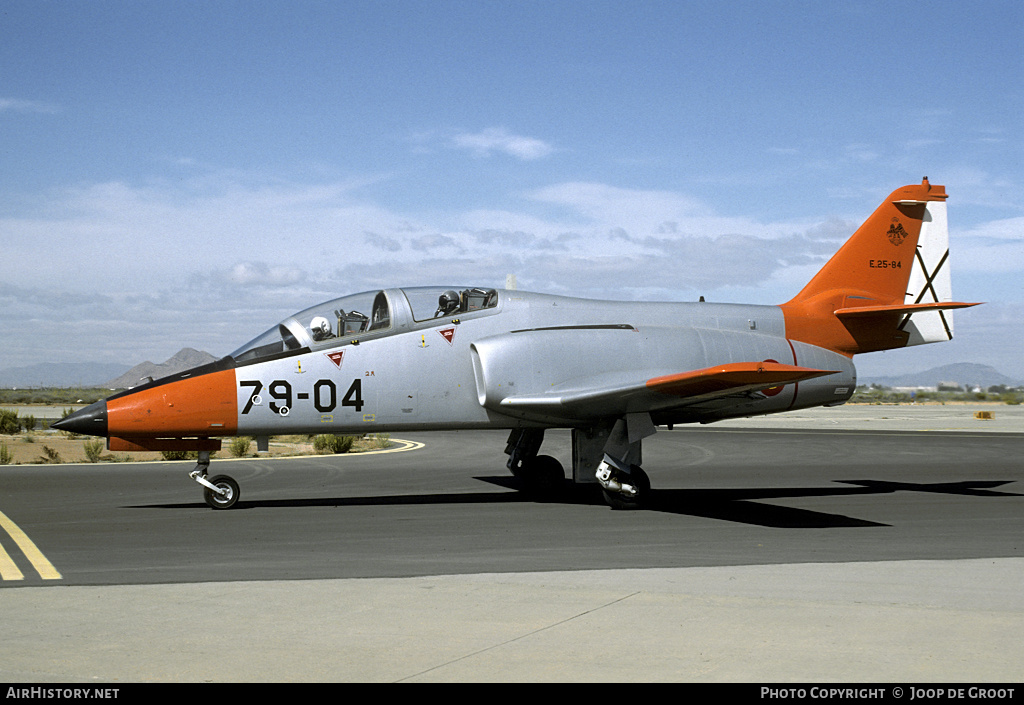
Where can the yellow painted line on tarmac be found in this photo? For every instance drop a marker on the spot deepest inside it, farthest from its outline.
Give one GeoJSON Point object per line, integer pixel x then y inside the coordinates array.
{"type": "Point", "coordinates": [403, 447]}
{"type": "Point", "coordinates": [8, 570]}
{"type": "Point", "coordinates": [407, 445]}
{"type": "Point", "coordinates": [34, 555]}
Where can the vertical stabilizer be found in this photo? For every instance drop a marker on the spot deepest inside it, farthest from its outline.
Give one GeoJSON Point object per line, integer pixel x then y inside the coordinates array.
{"type": "Point", "coordinates": [888, 286]}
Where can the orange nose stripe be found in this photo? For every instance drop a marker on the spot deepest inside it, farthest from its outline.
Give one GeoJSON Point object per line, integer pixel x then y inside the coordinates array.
{"type": "Point", "coordinates": [196, 406]}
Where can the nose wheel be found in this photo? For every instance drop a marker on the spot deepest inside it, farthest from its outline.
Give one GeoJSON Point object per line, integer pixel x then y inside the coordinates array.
{"type": "Point", "coordinates": [221, 491]}
{"type": "Point", "coordinates": [224, 493]}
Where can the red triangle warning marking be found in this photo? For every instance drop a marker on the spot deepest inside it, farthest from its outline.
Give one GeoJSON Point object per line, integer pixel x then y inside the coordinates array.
{"type": "Point", "coordinates": [335, 357]}
{"type": "Point", "coordinates": [448, 334]}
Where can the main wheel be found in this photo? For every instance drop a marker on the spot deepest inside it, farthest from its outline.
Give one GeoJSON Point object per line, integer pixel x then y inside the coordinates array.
{"type": "Point", "coordinates": [230, 496]}
{"type": "Point", "coordinates": [638, 478]}
{"type": "Point", "coordinates": [543, 477]}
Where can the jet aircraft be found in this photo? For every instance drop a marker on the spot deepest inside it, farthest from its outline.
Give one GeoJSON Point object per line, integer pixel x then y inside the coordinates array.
{"type": "Point", "coordinates": [463, 357]}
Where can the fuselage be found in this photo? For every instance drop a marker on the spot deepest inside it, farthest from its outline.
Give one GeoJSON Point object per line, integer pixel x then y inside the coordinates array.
{"type": "Point", "coordinates": [408, 367]}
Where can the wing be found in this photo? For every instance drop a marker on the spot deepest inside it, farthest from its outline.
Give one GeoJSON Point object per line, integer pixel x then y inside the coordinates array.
{"type": "Point", "coordinates": [611, 397]}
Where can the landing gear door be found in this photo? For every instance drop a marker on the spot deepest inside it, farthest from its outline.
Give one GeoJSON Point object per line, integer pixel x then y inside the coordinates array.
{"type": "Point", "coordinates": [587, 452]}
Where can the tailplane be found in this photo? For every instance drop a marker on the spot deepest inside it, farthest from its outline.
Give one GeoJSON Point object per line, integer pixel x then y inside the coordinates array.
{"type": "Point", "coordinates": [888, 286]}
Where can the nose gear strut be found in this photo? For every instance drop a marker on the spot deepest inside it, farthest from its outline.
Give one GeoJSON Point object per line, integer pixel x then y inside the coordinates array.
{"type": "Point", "coordinates": [220, 492]}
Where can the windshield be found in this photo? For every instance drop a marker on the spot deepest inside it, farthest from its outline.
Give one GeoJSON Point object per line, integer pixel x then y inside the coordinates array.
{"type": "Point", "coordinates": [329, 321]}
{"type": "Point", "coordinates": [275, 341]}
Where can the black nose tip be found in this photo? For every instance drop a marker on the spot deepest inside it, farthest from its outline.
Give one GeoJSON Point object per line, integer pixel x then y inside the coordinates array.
{"type": "Point", "coordinates": [90, 420]}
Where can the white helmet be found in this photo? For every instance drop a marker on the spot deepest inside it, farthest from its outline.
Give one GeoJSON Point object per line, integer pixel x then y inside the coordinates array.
{"type": "Point", "coordinates": [320, 327]}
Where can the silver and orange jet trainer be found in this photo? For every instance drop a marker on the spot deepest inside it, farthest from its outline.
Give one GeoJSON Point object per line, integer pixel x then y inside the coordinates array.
{"type": "Point", "coordinates": [419, 359]}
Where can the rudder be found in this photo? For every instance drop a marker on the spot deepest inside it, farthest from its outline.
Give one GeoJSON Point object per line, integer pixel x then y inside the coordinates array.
{"type": "Point", "coordinates": [930, 280]}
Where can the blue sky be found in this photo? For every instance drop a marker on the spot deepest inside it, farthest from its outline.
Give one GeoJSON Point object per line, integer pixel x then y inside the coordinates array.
{"type": "Point", "coordinates": [188, 173]}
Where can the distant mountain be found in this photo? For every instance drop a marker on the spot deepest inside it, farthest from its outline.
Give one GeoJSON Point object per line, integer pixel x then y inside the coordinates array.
{"type": "Point", "coordinates": [61, 374]}
{"type": "Point", "coordinates": [184, 359]}
{"type": "Point", "coordinates": [966, 374]}
{"type": "Point", "coordinates": [99, 374]}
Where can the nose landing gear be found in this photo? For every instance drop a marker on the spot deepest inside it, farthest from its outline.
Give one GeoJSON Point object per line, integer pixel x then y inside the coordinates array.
{"type": "Point", "coordinates": [221, 491]}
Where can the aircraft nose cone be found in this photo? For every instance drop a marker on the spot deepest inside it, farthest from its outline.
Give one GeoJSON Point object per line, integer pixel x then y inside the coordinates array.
{"type": "Point", "coordinates": [90, 420]}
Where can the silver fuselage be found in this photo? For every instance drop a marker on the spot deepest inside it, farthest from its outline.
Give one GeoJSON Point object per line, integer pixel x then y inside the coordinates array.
{"type": "Point", "coordinates": [471, 370]}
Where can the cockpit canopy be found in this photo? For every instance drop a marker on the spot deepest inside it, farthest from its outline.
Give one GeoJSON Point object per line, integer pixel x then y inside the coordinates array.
{"type": "Point", "coordinates": [368, 314]}
{"type": "Point", "coordinates": [428, 302]}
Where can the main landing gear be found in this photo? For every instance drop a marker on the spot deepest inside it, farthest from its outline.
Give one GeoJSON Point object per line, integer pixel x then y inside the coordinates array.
{"type": "Point", "coordinates": [541, 475]}
{"type": "Point", "coordinates": [623, 489]}
{"type": "Point", "coordinates": [221, 491]}
{"type": "Point", "coordinates": [624, 483]}
{"type": "Point", "coordinates": [614, 447]}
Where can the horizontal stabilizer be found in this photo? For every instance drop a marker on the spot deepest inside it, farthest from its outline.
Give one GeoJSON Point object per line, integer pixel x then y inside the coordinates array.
{"type": "Point", "coordinates": [873, 311]}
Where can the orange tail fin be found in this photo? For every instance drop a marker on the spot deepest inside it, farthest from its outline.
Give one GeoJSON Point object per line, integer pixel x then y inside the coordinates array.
{"type": "Point", "coordinates": [863, 299]}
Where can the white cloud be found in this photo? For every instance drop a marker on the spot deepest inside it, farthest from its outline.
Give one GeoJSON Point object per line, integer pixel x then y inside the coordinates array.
{"type": "Point", "coordinates": [639, 213]}
{"type": "Point", "coordinates": [383, 242]}
{"type": "Point", "coordinates": [861, 152]}
{"type": "Point", "coordinates": [498, 139]}
{"type": "Point", "coordinates": [117, 236]}
{"type": "Point", "coordinates": [212, 263]}
{"type": "Point", "coordinates": [26, 106]}
{"type": "Point", "coordinates": [260, 273]}
{"type": "Point", "coordinates": [612, 204]}
{"type": "Point", "coordinates": [995, 247]}
{"type": "Point", "coordinates": [113, 237]}
{"type": "Point", "coordinates": [1006, 229]}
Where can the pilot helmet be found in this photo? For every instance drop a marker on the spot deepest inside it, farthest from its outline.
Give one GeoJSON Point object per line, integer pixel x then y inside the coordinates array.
{"type": "Point", "coordinates": [448, 301]}
{"type": "Point", "coordinates": [320, 327]}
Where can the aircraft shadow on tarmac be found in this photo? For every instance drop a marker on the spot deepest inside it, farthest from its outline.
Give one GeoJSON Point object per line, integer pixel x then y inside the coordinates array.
{"type": "Point", "coordinates": [745, 505]}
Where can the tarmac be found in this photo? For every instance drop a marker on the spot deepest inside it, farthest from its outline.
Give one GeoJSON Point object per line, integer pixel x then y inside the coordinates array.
{"type": "Point", "coordinates": [896, 622]}
{"type": "Point", "coordinates": [953, 416]}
